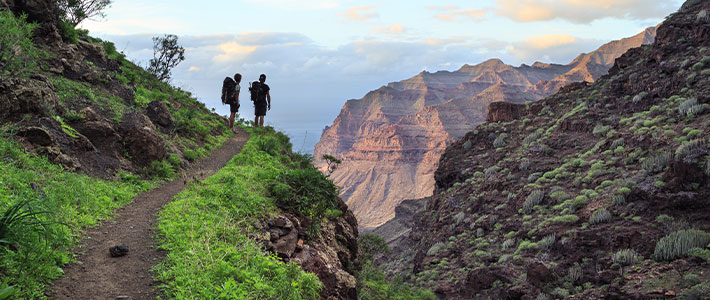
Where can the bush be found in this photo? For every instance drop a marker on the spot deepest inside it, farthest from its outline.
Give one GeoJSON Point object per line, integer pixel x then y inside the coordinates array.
{"type": "Point", "coordinates": [305, 191]}
{"type": "Point", "coordinates": [574, 273]}
{"type": "Point", "coordinates": [524, 164]}
{"type": "Point", "coordinates": [500, 140]}
{"type": "Point", "coordinates": [162, 169]}
{"type": "Point", "coordinates": [508, 244]}
{"type": "Point", "coordinates": [533, 137]}
{"type": "Point", "coordinates": [18, 55]}
{"type": "Point", "coordinates": [618, 200]}
{"type": "Point", "coordinates": [370, 245]}
{"type": "Point", "coordinates": [600, 216]}
{"type": "Point", "coordinates": [698, 292]}
{"type": "Point", "coordinates": [626, 257]}
{"type": "Point", "coordinates": [690, 107]}
{"type": "Point", "coordinates": [601, 130]}
{"type": "Point", "coordinates": [657, 162]}
{"type": "Point", "coordinates": [690, 150]}
{"type": "Point", "coordinates": [533, 199]}
{"type": "Point", "coordinates": [678, 244]}
{"type": "Point", "coordinates": [547, 242]}
{"type": "Point", "coordinates": [435, 249]}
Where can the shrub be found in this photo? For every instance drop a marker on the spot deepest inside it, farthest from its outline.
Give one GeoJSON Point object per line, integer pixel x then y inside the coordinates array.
{"type": "Point", "coordinates": [18, 55]}
{"type": "Point", "coordinates": [547, 242]}
{"type": "Point", "coordinates": [601, 130]}
{"type": "Point", "coordinates": [690, 107]}
{"type": "Point", "coordinates": [500, 140]}
{"type": "Point", "coordinates": [533, 199]}
{"type": "Point", "coordinates": [618, 200]}
{"type": "Point", "coordinates": [370, 245]}
{"type": "Point", "coordinates": [491, 172]}
{"type": "Point", "coordinates": [565, 219]}
{"type": "Point", "coordinates": [306, 191]}
{"type": "Point", "coordinates": [574, 273]}
{"type": "Point", "coordinates": [691, 149]}
{"type": "Point", "coordinates": [162, 169]}
{"type": "Point", "coordinates": [679, 243]}
{"type": "Point", "coordinates": [626, 257]}
{"type": "Point", "coordinates": [435, 249]}
{"type": "Point", "coordinates": [640, 97]}
{"type": "Point", "coordinates": [560, 196]}
{"type": "Point", "coordinates": [707, 166]}
{"type": "Point", "coordinates": [657, 162]}
{"type": "Point", "coordinates": [617, 143]}
{"type": "Point", "coordinates": [508, 244]}
{"type": "Point", "coordinates": [542, 296]}
{"type": "Point", "coordinates": [524, 164]}
{"type": "Point", "coordinates": [697, 292]}
{"type": "Point", "coordinates": [600, 216]}
{"type": "Point", "coordinates": [531, 138]}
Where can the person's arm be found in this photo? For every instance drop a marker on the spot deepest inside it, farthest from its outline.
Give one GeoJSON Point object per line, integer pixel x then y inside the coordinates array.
{"type": "Point", "coordinates": [268, 97]}
{"type": "Point", "coordinates": [237, 97]}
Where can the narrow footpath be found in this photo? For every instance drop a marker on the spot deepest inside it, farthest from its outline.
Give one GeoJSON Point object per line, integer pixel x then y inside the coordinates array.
{"type": "Point", "coordinates": [97, 275]}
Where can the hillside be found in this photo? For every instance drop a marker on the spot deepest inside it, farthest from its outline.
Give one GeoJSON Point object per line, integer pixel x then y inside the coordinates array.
{"type": "Point", "coordinates": [390, 141]}
{"type": "Point", "coordinates": [597, 192]}
{"type": "Point", "coordinates": [85, 133]}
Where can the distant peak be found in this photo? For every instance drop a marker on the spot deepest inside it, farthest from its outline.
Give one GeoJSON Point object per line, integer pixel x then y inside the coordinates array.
{"type": "Point", "coordinates": [492, 62]}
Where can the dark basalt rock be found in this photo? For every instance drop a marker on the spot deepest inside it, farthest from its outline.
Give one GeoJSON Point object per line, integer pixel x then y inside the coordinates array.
{"type": "Point", "coordinates": [118, 250]}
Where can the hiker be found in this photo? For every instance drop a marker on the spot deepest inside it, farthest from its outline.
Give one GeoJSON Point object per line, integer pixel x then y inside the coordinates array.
{"type": "Point", "coordinates": [262, 99]}
{"type": "Point", "coordinates": [230, 95]}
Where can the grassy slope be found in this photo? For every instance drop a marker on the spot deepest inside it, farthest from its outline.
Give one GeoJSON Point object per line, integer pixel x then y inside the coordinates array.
{"type": "Point", "coordinates": [73, 201]}
{"type": "Point", "coordinates": [33, 249]}
{"type": "Point", "coordinates": [206, 231]}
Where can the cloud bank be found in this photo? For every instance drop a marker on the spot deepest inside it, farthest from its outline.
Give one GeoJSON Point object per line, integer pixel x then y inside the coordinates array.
{"type": "Point", "coordinates": [583, 11]}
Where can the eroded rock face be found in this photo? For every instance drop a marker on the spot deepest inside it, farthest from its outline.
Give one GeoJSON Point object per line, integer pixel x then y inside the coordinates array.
{"type": "Point", "coordinates": [27, 96]}
{"type": "Point", "coordinates": [43, 12]}
{"type": "Point", "coordinates": [141, 139]}
{"type": "Point", "coordinates": [332, 255]}
{"type": "Point", "coordinates": [505, 112]}
{"type": "Point", "coordinates": [390, 141]}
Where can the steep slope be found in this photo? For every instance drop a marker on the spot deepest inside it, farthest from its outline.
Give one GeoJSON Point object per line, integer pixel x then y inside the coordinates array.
{"type": "Point", "coordinates": [390, 140]}
{"type": "Point", "coordinates": [597, 192]}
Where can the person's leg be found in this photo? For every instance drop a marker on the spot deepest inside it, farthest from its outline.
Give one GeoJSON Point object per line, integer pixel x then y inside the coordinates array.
{"type": "Point", "coordinates": [231, 120]}
{"type": "Point", "coordinates": [261, 121]}
{"type": "Point", "coordinates": [256, 121]}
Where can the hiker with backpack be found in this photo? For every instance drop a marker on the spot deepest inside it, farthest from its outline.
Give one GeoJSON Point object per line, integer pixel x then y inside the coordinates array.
{"type": "Point", "coordinates": [230, 95]}
{"type": "Point", "coordinates": [261, 98]}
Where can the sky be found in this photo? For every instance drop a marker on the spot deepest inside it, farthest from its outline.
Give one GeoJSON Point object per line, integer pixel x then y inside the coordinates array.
{"type": "Point", "coordinates": [317, 54]}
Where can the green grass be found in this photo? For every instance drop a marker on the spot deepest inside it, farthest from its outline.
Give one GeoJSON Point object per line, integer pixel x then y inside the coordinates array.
{"type": "Point", "coordinates": [37, 249]}
{"type": "Point", "coordinates": [205, 231]}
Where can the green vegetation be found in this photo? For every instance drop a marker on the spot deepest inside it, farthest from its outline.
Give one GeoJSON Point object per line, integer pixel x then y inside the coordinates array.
{"type": "Point", "coordinates": [372, 282]}
{"type": "Point", "coordinates": [18, 55]}
{"type": "Point", "coordinates": [679, 243]}
{"type": "Point", "coordinates": [533, 199]}
{"type": "Point", "coordinates": [205, 230]}
{"type": "Point", "coordinates": [46, 209]}
{"type": "Point", "coordinates": [600, 216]}
{"type": "Point", "coordinates": [626, 257]}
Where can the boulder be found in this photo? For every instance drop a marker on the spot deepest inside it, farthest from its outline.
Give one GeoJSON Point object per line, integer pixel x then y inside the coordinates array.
{"type": "Point", "coordinates": [159, 114]}
{"type": "Point", "coordinates": [141, 139]}
{"type": "Point", "coordinates": [539, 274]}
{"type": "Point", "coordinates": [44, 13]}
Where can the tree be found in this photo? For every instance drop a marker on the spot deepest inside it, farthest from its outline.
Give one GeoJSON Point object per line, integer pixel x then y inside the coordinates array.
{"type": "Point", "coordinates": [332, 163]}
{"type": "Point", "coordinates": [76, 11]}
{"type": "Point", "coordinates": [167, 54]}
{"type": "Point", "coordinates": [18, 55]}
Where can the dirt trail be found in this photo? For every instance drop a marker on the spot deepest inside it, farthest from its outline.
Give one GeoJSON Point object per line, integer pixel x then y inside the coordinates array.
{"type": "Point", "coordinates": [96, 275]}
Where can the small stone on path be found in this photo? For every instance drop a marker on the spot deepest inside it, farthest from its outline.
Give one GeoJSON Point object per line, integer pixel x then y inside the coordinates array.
{"type": "Point", "coordinates": [118, 251]}
{"type": "Point", "coordinates": [123, 298]}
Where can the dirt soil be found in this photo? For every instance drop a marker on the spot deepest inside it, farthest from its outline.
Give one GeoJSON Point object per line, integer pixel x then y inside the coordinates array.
{"type": "Point", "coordinates": [97, 275]}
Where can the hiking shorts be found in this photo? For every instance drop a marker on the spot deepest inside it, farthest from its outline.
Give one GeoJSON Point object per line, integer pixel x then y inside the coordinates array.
{"type": "Point", "coordinates": [260, 109]}
{"type": "Point", "coordinates": [233, 107]}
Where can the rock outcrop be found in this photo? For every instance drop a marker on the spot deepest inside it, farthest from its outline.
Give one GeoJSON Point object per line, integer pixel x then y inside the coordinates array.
{"type": "Point", "coordinates": [332, 255]}
{"type": "Point", "coordinates": [390, 141]}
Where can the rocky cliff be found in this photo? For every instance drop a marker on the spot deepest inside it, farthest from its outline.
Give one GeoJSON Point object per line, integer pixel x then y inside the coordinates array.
{"type": "Point", "coordinates": [390, 141]}
{"type": "Point", "coordinates": [597, 192]}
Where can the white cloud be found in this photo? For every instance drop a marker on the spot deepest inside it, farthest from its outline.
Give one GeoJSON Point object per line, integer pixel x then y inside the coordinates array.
{"type": "Point", "coordinates": [551, 47]}
{"type": "Point", "coordinates": [452, 13]}
{"type": "Point", "coordinates": [396, 29]}
{"type": "Point", "coordinates": [193, 68]}
{"type": "Point", "coordinates": [583, 11]}
{"type": "Point", "coordinates": [359, 13]}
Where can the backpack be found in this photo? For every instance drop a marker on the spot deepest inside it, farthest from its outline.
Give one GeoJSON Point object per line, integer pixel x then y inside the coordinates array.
{"type": "Point", "coordinates": [254, 91]}
{"type": "Point", "coordinates": [228, 89]}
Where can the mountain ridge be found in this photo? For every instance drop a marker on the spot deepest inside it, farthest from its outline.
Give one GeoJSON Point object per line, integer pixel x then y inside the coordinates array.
{"type": "Point", "coordinates": [359, 135]}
